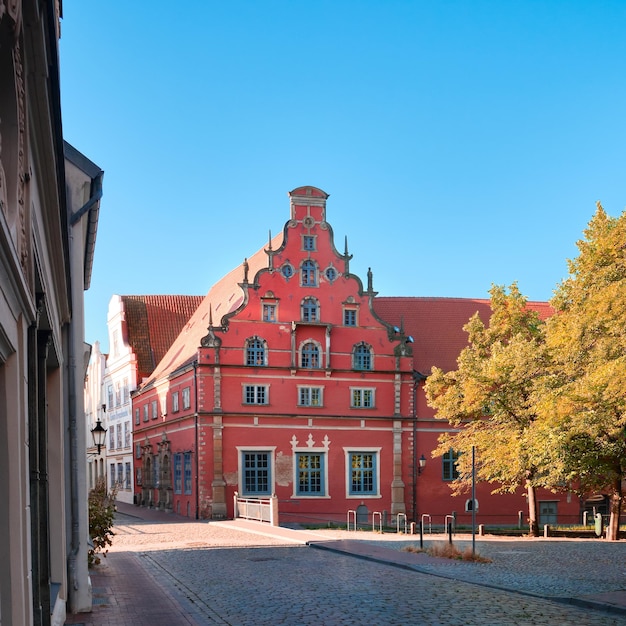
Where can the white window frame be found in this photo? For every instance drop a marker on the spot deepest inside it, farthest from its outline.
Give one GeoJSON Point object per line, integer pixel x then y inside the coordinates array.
{"type": "Point", "coordinates": [307, 390]}
{"type": "Point", "coordinates": [361, 390]}
{"type": "Point", "coordinates": [244, 394]}
{"type": "Point", "coordinates": [186, 398]}
{"type": "Point", "coordinates": [310, 448]}
{"type": "Point", "coordinates": [348, 467]}
{"type": "Point", "coordinates": [240, 469]}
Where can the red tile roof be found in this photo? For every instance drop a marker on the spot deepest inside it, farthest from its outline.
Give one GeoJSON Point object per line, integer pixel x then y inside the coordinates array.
{"type": "Point", "coordinates": [153, 323]}
{"type": "Point", "coordinates": [436, 325]}
{"type": "Point", "coordinates": [224, 297]}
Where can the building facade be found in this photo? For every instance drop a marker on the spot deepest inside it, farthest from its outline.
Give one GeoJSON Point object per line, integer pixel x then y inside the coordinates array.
{"type": "Point", "coordinates": [294, 379]}
{"type": "Point", "coordinates": [141, 329]}
{"type": "Point", "coordinates": [285, 382]}
{"type": "Point", "coordinates": [49, 206]}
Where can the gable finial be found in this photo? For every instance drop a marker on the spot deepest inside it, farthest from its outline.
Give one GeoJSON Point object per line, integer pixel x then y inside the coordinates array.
{"type": "Point", "coordinates": [270, 253]}
{"type": "Point", "coordinates": [245, 270]}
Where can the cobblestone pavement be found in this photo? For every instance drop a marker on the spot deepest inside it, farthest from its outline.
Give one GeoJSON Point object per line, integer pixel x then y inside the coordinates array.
{"type": "Point", "coordinates": [214, 573]}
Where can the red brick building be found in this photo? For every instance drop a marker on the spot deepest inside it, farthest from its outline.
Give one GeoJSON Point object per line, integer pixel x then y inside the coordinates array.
{"type": "Point", "coordinates": [293, 379]}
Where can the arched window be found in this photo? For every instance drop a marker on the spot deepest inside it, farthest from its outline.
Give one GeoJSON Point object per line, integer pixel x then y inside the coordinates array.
{"type": "Point", "coordinates": [310, 356]}
{"type": "Point", "coordinates": [255, 352]}
{"type": "Point", "coordinates": [310, 310]}
{"type": "Point", "coordinates": [362, 357]}
{"type": "Point", "coordinates": [309, 274]}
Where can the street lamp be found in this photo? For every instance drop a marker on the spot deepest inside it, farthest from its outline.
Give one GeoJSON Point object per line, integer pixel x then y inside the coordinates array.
{"type": "Point", "coordinates": [422, 464]}
{"type": "Point", "coordinates": [98, 433]}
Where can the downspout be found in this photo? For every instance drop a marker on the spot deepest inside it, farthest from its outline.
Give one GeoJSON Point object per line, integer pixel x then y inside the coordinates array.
{"type": "Point", "coordinates": [96, 195]}
{"type": "Point", "coordinates": [195, 398]}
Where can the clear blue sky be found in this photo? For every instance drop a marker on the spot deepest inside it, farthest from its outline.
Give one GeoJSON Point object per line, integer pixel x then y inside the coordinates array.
{"type": "Point", "coordinates": [463, 143]}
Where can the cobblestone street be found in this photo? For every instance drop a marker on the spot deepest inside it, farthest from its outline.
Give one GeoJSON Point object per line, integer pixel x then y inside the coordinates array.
{"type": "Point", "coordinates": [213, 573]}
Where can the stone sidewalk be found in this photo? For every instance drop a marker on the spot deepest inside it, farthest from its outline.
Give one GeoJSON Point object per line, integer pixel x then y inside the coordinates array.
{"type": "Point", "coordinates": [589, 574]}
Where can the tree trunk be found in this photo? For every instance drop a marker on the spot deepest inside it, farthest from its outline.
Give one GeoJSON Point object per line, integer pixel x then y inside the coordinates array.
{"type": "Point", "coordinates": [532, 510]}
{"type": "Point", "coordinates": [612, 531]}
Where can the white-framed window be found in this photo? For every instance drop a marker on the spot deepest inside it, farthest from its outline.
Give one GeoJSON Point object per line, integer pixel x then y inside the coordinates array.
{"type": "Point", "coordinates": [311, 474]}
{"type": "Point", "coordinates": [310, 396]}
{"type": "Point", "coordinates": [119, 437]}
{"type": "Point", "coordinates": [118, 393]}
{"type": "Point", "coordinates": [175, 407]}
{"type": "Point", "coordinates": [125, 392]}
{"type": "Point", "coordinates": [111, 437]}
{"type": "Point", "coordinates": [127, 434]}
{"type": "Point", "coordinates": [362, 472]}
{"type": "Point", "coordinates": [155, 411]}
{"type": "Point", "coordinates": [109, 397]}
{"type": "Point", "coordinates": [256, 470]}
{"type": "Point", "coordinates": [146, 412]}
{"type": "Point", "coordinates": [127, 475]}
{"type": "Point", "coordinates": [186, 397]}
{"type": "Point", "coordinates": [362, 397]}
{"type": "Point", "coordinates": [255, 394]}
{"type": "Point", "coordinates": [137, 416]}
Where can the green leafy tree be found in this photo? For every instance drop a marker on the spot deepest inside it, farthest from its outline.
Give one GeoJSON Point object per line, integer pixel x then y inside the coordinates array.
{"type": "Point", "coordinates": [489, 398]}
{"type": "Point", "coordinates": [584, 400]}
{"type": "Point", "coordinates": [101, 518]}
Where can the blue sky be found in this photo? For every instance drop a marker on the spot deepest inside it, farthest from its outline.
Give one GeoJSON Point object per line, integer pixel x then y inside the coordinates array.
{"type": "Point", "coordinates": [463, 143]}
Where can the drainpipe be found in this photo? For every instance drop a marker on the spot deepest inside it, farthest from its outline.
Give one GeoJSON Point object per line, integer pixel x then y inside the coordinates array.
{"type": "Point", "coordinates": [195, 399]}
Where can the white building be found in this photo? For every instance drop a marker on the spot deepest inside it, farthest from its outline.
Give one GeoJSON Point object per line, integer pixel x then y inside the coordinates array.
{"type": "Point", "coordinates": [49, 207]}
{"type": "Point", "coordinates": [95, 410]}
{"type": "Point", "coordinates": [141, 330]}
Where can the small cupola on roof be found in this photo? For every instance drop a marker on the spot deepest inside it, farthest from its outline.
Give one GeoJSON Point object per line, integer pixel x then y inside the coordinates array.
{"type": "Point", "coordinates": [308, 205]}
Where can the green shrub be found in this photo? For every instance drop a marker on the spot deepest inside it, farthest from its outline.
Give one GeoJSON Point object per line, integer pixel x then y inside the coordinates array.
{"type": "Point", "coordinates": [101, 515]}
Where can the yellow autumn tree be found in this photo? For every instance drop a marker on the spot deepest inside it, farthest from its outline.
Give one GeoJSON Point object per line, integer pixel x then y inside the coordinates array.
{"type": "Point", "coordinates": [490, 398]}
{"type": "Point", "coordinates": [583, 405]}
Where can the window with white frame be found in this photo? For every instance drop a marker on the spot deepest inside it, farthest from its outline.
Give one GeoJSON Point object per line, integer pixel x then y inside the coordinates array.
{"type": "Point", "coordinates": [186, 397]}
{"type": "Point", "coordinates": [175, 407]}
{"type": "Point", "coordinates": [155, 411]}
{"type": "Point", "coordinates": [310, 355]}
{"type": "Point", "coordinates": [112, 475]}
{"type": "Point", "coordinates": [361, 398]}
{"type": "Point", "coordinates": [256, 474]}
{"type": "Point", "coordinates": [362, 472]}
{"type": "Point", "coordinates": [109, 397]}
{"type": "Point", "coordinates": [310, 396]}
{"type": "Point", "coordinates": [311, 468]}
{"type": "Point", "coordinates": [137, 450]}
{"type": "Point", "coordinates": [362, 357]}
{"type": "Point", "coordinates": [310, 310]}
{"type": "Point", "coordinates": [118, 393]}
{"type": "Point", "coordinates": [111, 437]}
{"type": "Point", "coordinates": [119, 436]}
{"type": "Point", "coordinates": [137, 416]}
{"type": "Point", "coordinates": [255, 351]}
{"type": "Point", "coordinates": [255, 394]}
{"type": "Point", "coordinates": [127, 434]}
{"type": "Point", "coordinates": [127, 475]}
{"type": "Point", "coordinates": [125, 392]}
